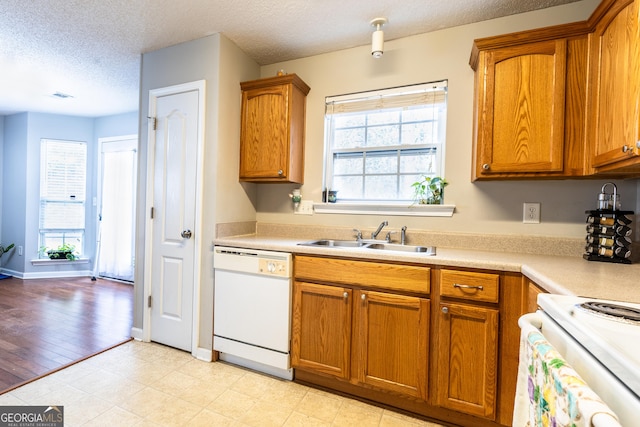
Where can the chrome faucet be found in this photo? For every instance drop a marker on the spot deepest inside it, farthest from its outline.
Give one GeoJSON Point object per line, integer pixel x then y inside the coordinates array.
{"type": "Point", "coordinates": [403, 235]}
{"type": "Point", "coordinates": [358, 234]}
{"type": "Point", "coordinates": [380, 227]}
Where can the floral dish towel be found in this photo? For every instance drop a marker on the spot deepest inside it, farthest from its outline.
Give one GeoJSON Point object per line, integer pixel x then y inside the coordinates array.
{"type": "Point", "coordinates": [557, 396]}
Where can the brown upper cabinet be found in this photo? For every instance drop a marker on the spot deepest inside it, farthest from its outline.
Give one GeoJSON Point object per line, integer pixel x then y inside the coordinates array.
{"type": "Point", "coordinates": [530, 104]}
{"type": "Point", "coordinates": [561, 101]}
{"type": "Point", "coordinates": [272, 129]}
{"type": "Point", "coordinates": [614, 116]}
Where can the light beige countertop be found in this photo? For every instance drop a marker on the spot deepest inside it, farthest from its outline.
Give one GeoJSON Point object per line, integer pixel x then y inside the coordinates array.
{"type": "Point", "coordinates": [571, 275]}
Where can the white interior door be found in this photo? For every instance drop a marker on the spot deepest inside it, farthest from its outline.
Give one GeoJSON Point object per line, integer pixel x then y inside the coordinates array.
{"type": "Point", "coordinates": [174, 223]}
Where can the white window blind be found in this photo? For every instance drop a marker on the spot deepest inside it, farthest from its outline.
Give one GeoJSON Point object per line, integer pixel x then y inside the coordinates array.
{"type": "Point", "coordinates": [63, 170]}
{"type": "Point", "coordinates": [379, 143]}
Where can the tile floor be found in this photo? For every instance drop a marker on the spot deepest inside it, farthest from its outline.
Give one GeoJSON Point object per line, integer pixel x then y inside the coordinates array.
{"type": "Point", "coordinates": [147, 384]}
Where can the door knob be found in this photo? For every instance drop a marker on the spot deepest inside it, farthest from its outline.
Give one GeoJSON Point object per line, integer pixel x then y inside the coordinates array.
{"type": "Point", "coordinates": [186, 234]}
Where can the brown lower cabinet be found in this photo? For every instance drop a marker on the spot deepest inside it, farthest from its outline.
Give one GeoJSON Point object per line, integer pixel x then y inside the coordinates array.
{"type": "Point", "coordinates": [417, 338]}
{"type": "Point", "coordinates": [367, 337]}
{"type": "Point", "coordinates": [467, 359]}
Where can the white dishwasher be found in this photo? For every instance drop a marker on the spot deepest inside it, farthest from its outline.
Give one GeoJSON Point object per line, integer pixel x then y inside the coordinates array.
{"type": "Point", "coordinates": [252, 309]}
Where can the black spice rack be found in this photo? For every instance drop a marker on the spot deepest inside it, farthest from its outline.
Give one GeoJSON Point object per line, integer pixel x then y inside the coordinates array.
{"type": "Point", "coordinates": [608, 236]}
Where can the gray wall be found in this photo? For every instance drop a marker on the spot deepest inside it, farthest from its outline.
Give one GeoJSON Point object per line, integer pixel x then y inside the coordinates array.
{"type": "Point", "coordinates": [222, 65]}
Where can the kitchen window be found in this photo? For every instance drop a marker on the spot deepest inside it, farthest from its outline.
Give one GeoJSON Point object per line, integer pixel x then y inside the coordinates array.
{"type": "Point", "coordinates": [63, 170]}
{"type": "Point", "coordinates": [380, 142]}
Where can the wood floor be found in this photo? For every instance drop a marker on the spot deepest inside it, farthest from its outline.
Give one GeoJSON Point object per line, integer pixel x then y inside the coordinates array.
{"type": "Point", "coordinates": [46, 324]}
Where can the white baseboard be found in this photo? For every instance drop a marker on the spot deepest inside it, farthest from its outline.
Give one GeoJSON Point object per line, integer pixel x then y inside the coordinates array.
{"type": "Point", "coordinates": [204, 354]}
{"type": "Point", "coordinates": [136, 334]}
{"type": "Point", "coordinates": [47, 274]}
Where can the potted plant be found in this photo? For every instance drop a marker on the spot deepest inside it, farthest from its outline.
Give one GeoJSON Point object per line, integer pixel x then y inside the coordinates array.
{"type": "Point", "coordinates": [3, 250]}
{"type": "Point", "coordinates": [64, 251]}
{"type": "Point", "coordinates": [429, 190]}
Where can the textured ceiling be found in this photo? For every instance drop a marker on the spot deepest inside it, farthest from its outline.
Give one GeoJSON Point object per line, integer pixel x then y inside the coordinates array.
{"type": "Point", "coordinates": [91, 48]}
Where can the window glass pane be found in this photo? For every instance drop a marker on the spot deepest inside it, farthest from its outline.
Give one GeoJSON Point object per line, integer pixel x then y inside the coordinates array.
{"type": "Point", "coordinates": [377, 163]}
{"type": "Point", "coordinates": [349, 120]}
{"type": "Point", "coordinates": [418, 161]}
{"type": "Point", "coordinates": [348, 187]}
{"type": "Point", "coordinates": [406, 189]}
{"type": "Point", "coordinates": [417, 133]}
{"type": "Point", "coordinates": [347, 165]}
{"type": "Point", "coordinates": [52, 240]}
{"type": "Point", "coordinates": [349, 138]}
{"type": "Point", "coordinates": [383, 136]}
{"type": "Point", "coordinates": [381, 187]}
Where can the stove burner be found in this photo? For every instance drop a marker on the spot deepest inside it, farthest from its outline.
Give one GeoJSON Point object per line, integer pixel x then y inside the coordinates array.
{"type": "Point", "coordinates": [613, 310]}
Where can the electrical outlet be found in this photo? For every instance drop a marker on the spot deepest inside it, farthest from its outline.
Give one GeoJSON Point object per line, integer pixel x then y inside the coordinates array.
{"type": "Point", "coordinates": [305, 207]}
{"type": "Point", "coordinates": [531, 213]}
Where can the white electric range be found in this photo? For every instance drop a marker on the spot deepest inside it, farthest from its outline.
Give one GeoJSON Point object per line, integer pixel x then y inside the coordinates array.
{"type": "Point", "coordinates": [600, 339]}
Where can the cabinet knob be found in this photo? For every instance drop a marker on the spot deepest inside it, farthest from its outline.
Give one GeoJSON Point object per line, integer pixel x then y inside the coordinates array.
{"type": "Point", "coordinates": [486, 166]}
{"type": "Point", "coordinates": [363, 297]}
{"type": "Point", "coordinates": [345, 295]}
{"type": "Point", "coordinates": [445, 310]}
{"type": "Point", "coordinates": [625, 148]}
{"type": "Point", "coordinates": [280, 171]}
{"type": "Point", "coordinates": [638, 144]}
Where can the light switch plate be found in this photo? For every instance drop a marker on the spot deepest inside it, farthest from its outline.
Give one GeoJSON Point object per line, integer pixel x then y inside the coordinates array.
{"type": "Point", "coordinates": [305, 208]}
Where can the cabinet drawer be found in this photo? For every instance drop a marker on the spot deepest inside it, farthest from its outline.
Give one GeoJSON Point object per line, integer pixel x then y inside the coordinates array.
{"type": "Point", "coordinates": [367, 274]}
{"type": "Point", "coordinates": [469, 285]}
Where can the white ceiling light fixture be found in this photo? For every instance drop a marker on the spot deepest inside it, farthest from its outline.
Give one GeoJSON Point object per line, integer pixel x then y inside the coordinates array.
{"type": "Point", "coordinates": [377, 39]}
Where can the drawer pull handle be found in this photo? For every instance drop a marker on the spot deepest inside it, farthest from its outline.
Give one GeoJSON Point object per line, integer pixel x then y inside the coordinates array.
{"type": "Point", "coordinates": [460, 286]}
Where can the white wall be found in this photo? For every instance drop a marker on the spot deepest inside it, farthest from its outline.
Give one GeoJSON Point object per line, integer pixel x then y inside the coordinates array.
{"type": "Point", "coordinates": [491, 207]}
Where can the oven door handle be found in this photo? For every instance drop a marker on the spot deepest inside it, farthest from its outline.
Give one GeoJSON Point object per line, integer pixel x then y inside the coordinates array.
{"type": "Point", "coordinates": [530, 322]}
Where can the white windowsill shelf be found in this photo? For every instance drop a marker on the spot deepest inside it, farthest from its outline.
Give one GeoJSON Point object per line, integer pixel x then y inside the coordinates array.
{"type": "Point", "coordinates": [44, 261]}
{"type": "Point", "coordinates": [401, 209]}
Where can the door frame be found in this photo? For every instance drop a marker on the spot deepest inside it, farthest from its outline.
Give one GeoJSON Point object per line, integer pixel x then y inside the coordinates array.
{"type": "Point", "coordinates": [154, 94]}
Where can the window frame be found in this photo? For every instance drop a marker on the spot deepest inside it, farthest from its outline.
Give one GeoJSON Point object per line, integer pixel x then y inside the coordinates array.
{"type": "Point", "coordinates": [67, 234]}
{"type": "Point", "coordinates": [370, 99]}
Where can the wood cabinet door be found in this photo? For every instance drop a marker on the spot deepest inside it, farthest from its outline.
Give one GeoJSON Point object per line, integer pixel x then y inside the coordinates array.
{"type": "Point", "coordinates": [264, 138]}
{"type": "Point", "coordinates": [520, 116]}
{"type": "Point", "coordinates": [467, 359]}
{"type": "Point", "coordinates": [321, 329]}
{"type": "Point", "coordinates": [392, 342]}
{"type": "Point", "coordinates": [615, 87]}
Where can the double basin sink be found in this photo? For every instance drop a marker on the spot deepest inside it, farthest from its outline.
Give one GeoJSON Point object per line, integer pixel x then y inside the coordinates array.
{"type": "Point", "coordinates": [368, 244]}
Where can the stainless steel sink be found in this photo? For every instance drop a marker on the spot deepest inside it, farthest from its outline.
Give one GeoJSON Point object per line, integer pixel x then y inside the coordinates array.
{"type": "Point", "coordinates": [334, 243]}
{"type": "Point", "coordinates": [326, 243]}
{"type": "Point", "coordinates": [427, 250]}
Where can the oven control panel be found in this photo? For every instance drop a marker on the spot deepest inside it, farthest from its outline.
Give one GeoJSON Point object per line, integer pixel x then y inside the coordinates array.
{"type": "Point", "coordinates": [274, 267]}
